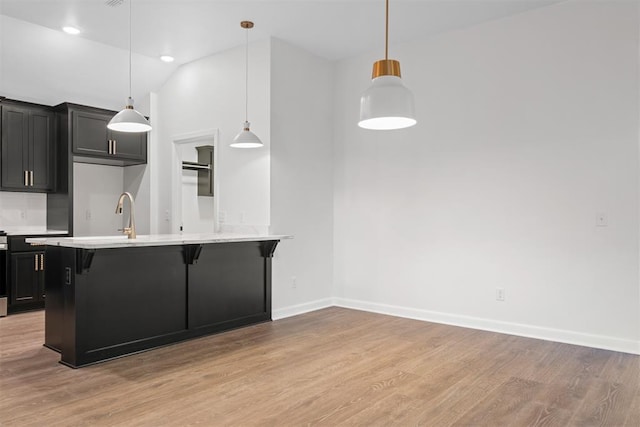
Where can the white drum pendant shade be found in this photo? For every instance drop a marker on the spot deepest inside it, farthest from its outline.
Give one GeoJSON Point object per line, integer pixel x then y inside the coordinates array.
{"type": "Point", "coordinates": [386, 104]}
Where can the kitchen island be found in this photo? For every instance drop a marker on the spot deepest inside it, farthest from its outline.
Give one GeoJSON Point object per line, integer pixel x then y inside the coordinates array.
{"type": "Point", "coordinates": [112, 296]}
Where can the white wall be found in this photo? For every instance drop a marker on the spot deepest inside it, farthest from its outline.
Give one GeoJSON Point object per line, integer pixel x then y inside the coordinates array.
{"type": "Point", "coordinates": [209, 94]}
{"type": "Point", "coordinates": [301, 178]}
{"type": "Point", "coordinates": [96, 189]}
{"type": "Point", "coordinates": [22, 211]}
{"type": "Point", "coordinates": [136, 180]}
{"type": "Point", "coordinates": [527, 129]}
{"type": "Point", "coordinates": [285, 187]}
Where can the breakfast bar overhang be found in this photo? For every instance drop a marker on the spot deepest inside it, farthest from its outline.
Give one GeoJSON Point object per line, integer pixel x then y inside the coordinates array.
{"type": "Point", "coordinates": [110, 296]}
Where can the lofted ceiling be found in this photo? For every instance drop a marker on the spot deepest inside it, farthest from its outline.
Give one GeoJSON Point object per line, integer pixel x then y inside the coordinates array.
{"type": "Point", "coordinates": [192, 29]}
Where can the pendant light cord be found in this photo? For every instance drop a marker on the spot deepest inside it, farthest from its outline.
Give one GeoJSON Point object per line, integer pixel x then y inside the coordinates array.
{"type": "Point", "coordinates": [246, 79]}
{"type": "Point", "coordinates": [130, 2]}
{"type": "Point", "coordinates": [386, 31]}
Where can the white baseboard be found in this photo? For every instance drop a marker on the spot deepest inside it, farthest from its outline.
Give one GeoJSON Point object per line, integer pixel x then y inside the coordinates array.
{"type": "Point", "coordinates": [294, 310]}
{"type": "Point", "coordinates": [549, 334]}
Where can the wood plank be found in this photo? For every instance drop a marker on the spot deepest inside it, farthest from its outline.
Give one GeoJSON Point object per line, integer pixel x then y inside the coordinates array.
{"type": "Point", "coordinates": [329, 367]}
{"type": "Point", "coordinates": [611, 392]}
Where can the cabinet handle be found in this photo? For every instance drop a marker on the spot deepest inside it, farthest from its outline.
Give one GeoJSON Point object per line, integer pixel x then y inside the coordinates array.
{"type": "Point", "coordinates": [115, 146]}
{"type": "Point", "coordinates": [26, 178]}
{"type": "Point", "coordinates": [31, 177]}
{"type": "Point", "coordinates": [41, 262]}
{"type": "Point", "coordinates": [109, 149]}
{"type": "Point", "coordinates": [36, 260]}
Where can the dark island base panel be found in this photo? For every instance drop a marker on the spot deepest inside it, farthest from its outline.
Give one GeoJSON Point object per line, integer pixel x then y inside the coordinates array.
{"type": "Point", "coordinates": [107, 303]}
{"type": "Point", "coordinates": [14, 309]}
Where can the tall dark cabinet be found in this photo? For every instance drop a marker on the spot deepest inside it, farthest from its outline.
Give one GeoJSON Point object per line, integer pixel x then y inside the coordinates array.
{"type": "Point", "coordinates": [28, 147]}
{"type": "Point", "coordinates": [28, 158]}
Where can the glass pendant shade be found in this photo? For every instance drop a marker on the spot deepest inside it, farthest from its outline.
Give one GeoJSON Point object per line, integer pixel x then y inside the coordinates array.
{"type": "Point", "coordinates": [386, 104]}
{"type": "Point", "coordinates": [129, 120]}
{"type": "Point", "coordinates": [246, 139]}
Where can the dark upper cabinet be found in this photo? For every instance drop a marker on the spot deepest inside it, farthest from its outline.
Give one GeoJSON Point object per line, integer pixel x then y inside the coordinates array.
{"type": "Point", "coordinates": [28, 147]}
{"type": "Point", "coordinates": [90, 133]}
{"type": "Point", "coordinates": [93, 142]}
{"type": "Point", "coordinates": [129, 145]}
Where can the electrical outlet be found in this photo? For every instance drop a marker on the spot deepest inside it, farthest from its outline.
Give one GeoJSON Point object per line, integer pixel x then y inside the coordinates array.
{"type": "Point", "coordinates": [167, 215]}
{"type": "Point", "coordinates": [87, 215]}
{"type": "Point", "coordinates": [23, 214]}
{"type": "Point", "coordinates": [601, 219]}
{"type": "Point", "coordinates": [499, 294]}
{"type": "Point", "coordinates": [294, 282]}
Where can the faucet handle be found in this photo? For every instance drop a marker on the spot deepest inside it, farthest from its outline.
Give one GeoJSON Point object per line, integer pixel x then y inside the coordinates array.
{"type": "Point", "coordinates": [130, 232]}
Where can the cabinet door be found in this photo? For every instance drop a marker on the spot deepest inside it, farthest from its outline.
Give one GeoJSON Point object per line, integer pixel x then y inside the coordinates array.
{"type": "Point", "coordinates": [227, 285]}
{"type": "Point", "coordinates": [15, 147]}
{"type": "Point", "coordinates": [42, 149]}
{"type": "Point", "coordinates": [130, 145]}
{"type": "Point", "coordinates": [90, 133]}
{"type": "Point", "coordinates": [28, 147]}
{"type": "Point", "coordinates": [27, 277]}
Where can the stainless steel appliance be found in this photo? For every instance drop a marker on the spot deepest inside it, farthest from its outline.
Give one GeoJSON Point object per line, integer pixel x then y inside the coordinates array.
{"type": "Point", "coordinates": [3, 275]}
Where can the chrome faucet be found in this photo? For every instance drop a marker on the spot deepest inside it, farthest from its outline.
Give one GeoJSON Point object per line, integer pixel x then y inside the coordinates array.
{"type": "Point", "coordinates": [130, 231]}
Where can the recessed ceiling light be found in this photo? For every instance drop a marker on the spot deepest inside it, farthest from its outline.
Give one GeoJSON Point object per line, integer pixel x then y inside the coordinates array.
{"type": "Point", "coordinates": [71, 30]}
{"type": "Point", "coordinates": [167, 58]}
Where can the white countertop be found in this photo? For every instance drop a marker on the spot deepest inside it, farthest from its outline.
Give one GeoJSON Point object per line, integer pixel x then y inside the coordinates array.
{"type": "Point", "coordinates": [105, 242]}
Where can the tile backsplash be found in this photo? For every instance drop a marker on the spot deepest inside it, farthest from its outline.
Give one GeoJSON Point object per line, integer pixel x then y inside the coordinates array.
{"type": "Point", "coordinates": [22, 210]}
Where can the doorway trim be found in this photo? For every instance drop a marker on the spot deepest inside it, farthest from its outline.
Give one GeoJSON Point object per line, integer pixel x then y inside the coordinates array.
{"type": "Point", "coordinates": [205, 137]}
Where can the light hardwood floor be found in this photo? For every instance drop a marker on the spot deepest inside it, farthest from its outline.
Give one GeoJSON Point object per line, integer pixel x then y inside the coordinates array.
{"type": "Point", "coordinates": [330, 367]}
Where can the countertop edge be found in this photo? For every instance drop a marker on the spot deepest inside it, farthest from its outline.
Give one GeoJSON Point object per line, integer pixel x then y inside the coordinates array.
{"type": "Point", "coordinates": [116, 242]}
{"type": "Point", "coordinates": [33, 232]}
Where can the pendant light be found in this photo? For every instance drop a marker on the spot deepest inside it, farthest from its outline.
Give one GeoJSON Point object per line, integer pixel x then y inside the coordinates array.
{"type": "Point", "coordinates": [386, 104]}
{"type": "Point", "coordinates": [246, 138]}
{"type": "Point", "coordinates": [129, 120]}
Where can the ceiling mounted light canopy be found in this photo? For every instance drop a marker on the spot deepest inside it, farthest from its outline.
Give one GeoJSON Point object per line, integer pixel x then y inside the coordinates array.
{"type": "Point", "coordinates": [129, 120]}
{"type": "Point", "coordinates": [246, 138]}
{"type": "Point", "coordinates": [386, 104]}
